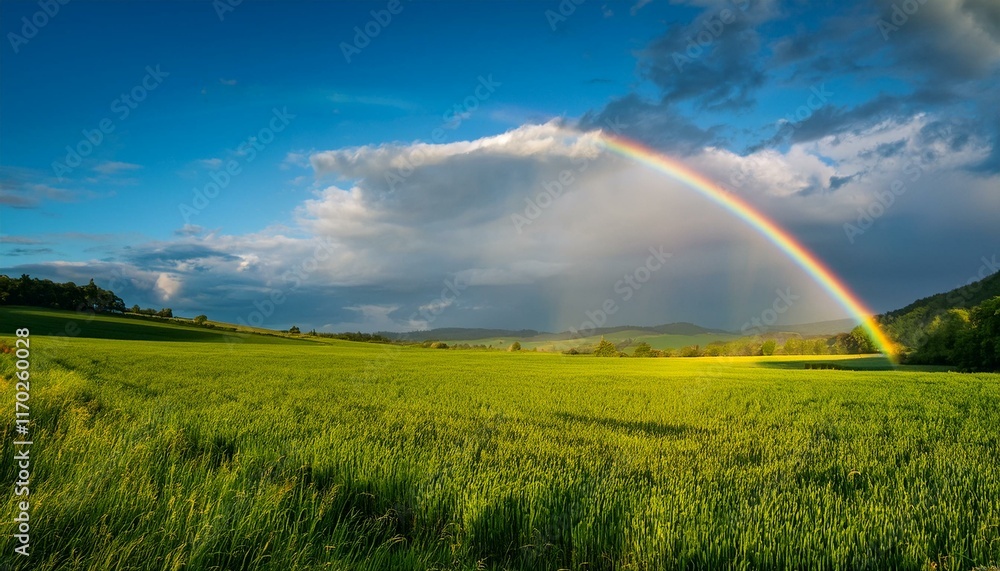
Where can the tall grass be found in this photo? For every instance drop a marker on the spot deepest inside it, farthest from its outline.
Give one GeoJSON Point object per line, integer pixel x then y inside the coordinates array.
{"type": "Point", "coordinates": [157, 455]}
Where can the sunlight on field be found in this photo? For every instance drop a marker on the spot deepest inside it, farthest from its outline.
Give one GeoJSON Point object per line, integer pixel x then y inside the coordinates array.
{"type": "Point", "coordinates": [341, 455]}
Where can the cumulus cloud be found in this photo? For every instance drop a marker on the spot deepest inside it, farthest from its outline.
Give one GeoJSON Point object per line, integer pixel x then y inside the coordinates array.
{"type": "Point", "coordinates": [168, 286]}
{"type": "Point", "coordinates": [538, 226]}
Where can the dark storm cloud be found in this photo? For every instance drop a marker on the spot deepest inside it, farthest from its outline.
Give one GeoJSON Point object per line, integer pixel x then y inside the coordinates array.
{"type": "Point", "coordinates": [885, 150]}
{"type": "Point", "coordinates": [27, 251]}
{"type": "Point", "coordinates": [23, 240]}
{"type": "Point", "coordinates": [713, 61]}
{"type": "Point", "coordinates": [655, 124]}
{"type": "Point", "coordinates": [156, 256]}
{"type": "Point", "coordinates": [838, 181]}
{"type": "Point", "coordinates": [947, 40]}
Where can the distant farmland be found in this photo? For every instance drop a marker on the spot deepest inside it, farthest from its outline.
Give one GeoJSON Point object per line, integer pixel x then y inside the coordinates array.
{"type": "Point", "coordinates": [552, 343]}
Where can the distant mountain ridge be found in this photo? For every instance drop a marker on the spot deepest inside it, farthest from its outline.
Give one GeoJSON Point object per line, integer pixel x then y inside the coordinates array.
{"type": "Point", "coordinates": [831, 327]}
{"type": "Point", "coordinates": [458, 334]}
{"type": "Point", "coordinates": [472, 333]}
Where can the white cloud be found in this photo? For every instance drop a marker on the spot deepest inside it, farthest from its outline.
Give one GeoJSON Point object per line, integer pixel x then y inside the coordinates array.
{"type": "Point", "coordinates": [112, 167]}
{"type": "Point", "coordinates": [248, 262]}
{"type": "Point", "coordinates": [545, 140]}
{"type": "Point", "coordinates": [168, 286]}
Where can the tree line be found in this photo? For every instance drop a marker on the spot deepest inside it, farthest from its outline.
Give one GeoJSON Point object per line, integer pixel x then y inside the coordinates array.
{"type": "Point", "coordinates": [968, 339]}
{"type": "Point", "coordinates": [857, 342]}
{"type": "Point", "coordinates": [89, 298]}
{"type": "Point", "coordinates": [69, 296]}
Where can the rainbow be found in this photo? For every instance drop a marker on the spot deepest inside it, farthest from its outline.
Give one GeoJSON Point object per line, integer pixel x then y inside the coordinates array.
{"type": "Point", "coordinates": [766, 227]}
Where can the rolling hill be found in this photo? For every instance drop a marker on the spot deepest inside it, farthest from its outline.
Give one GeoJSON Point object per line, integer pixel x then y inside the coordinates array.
{"type": "Point", "coordinates": [60, 323]}
{"type": "Point", "coordinates": [908, 325]}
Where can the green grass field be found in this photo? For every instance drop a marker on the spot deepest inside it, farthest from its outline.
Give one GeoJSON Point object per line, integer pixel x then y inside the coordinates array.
{"type": "Point", "coordinates": [286, 455]}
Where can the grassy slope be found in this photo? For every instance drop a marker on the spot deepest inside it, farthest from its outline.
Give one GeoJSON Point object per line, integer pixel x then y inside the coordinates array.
{"type": "Point", "coordinates": [355, 456]}
{"type": "Point", "coordinates": [51, 322]}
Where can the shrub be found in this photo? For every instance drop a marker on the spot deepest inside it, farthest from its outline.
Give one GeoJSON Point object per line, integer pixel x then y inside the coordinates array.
{"type": "Point", "coordinates": [690, 351]}
{"type": "Point", "coordinates": [515, 346]}
{"type": "Point", "coordinates": [768, 347]}
{"type": "Point", "coordinates": [643, 349]}
{"type": "Point", "coordinates": [605, 349]}
{"type": "Point", "coordinates": [439, 345]}
{"type": "Point", "coordinates": [200, 319]}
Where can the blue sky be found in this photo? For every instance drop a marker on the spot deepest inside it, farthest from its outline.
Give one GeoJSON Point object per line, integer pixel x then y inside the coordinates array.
{"type": "Point", "coordinates": [818, 108]}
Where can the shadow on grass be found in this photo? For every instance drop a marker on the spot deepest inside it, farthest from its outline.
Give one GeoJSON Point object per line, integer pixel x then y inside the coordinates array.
{"type": "Point", "coordinates": [873, 363]}
{"type": "Point", "coordinates": [647, 427]}
{"type": "Point", "coordinates": [50, 322]}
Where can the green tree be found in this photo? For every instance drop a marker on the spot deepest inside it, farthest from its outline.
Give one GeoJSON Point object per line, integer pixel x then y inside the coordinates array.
{"type": "Point", "coordinates": [860, 342]}
{"type": "Point", "coordinates": [690, 351]}
{"type": "Point", "coordinates": [200, 319]}
{"type": "Point", "coordinates": [793, 346]}
{"type": "Point", "coordinates": [768, 347]}
{"type": "Point", "coordinates": [985, 338]}
{"type": "Point", "coordinates": [605, 349]}
{"type": "Point", "coordinates": [515, 346]}
{"type": "Point", "coordinates": [294, 330]}
{"type": "Point", "coordinates": [947, 341]}
{"type": "Point", "coordinates": [642, 349]}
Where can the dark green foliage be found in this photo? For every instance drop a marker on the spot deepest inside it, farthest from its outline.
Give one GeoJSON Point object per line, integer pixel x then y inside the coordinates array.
{"type": "Point", "coordinates": [985, 321]}
{"type": "Point", "coordinates": [768, 347]}
{"type": "Point", "coordinates": [942, 341]}
{"type": "Point", "coordinates": [909, 325]}
{"type": "Point", "coordinates": [69, 296]}
{"type": "Point", "coordinates": [605, 349]}
{"type": "Point", "coordinates": [969, 340]}
{"type": "Point", "coordinates": [690, 351]}
{"type": "Point", "coordinates": [358, 336]}
{"type": "Point", "coordinates": [515, 346]}
{"type": "Point", "coordinates": [860, 342]}
{"type": "Point", "coordinates": [643, 349]}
